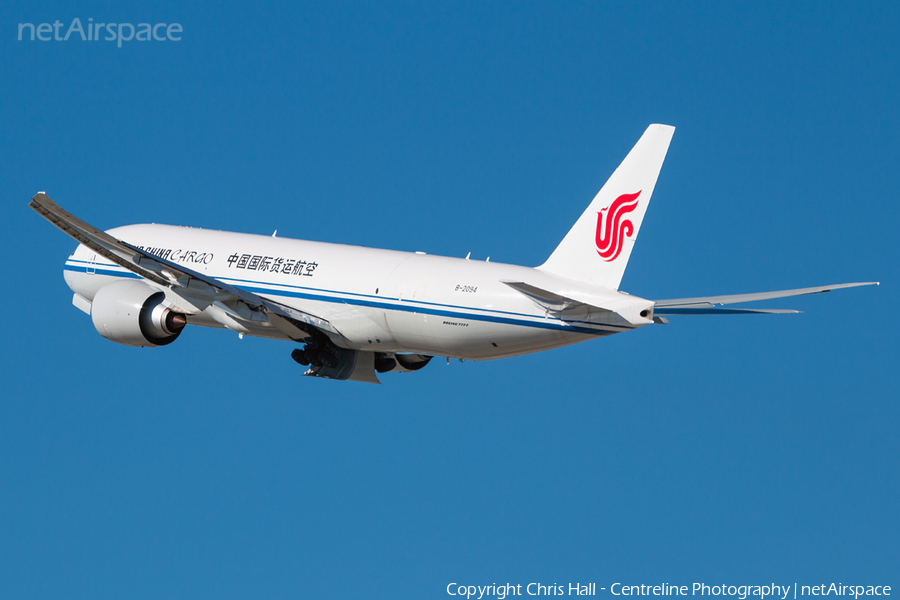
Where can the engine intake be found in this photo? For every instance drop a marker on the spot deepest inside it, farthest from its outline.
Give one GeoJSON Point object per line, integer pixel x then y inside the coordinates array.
{"type": "Point", "coordinates": [133, 313]}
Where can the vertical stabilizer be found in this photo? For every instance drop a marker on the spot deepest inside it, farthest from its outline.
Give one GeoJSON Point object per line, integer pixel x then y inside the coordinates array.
{"type": "Point", "coordinates": [597, 248]}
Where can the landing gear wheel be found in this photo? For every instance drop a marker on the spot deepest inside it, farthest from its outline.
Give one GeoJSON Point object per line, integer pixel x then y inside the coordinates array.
{"type": "Point", "coordinates": [309, 355]}
{"type": "Point", "coordinates": [328, 359]}
{"type": "Point", "coordinates": [383, 363]}
{"type": "Point", "coordinates": [300, 357]}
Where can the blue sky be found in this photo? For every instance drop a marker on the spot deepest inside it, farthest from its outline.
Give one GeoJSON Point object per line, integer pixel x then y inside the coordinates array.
{"type": "Point", "coordinates": [735, 450]}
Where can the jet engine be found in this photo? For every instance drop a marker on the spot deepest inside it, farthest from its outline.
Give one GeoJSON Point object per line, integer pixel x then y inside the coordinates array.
{"type": "Point", "coordinates": [134, 314]}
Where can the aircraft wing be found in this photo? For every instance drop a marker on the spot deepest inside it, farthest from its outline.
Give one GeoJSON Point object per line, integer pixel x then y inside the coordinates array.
{"type": "Point", "coordinates": [707, 305]}
{"type": "Point", "coordinates": [181, 279]}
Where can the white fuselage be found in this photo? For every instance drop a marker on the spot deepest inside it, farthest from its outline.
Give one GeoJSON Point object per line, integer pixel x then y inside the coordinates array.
{"type": "Point", "coordinates": [379, 300]}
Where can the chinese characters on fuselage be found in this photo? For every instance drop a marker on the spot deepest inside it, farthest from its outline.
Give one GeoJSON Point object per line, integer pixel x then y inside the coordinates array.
{"type": "Point", "coordinates": [286, 266]}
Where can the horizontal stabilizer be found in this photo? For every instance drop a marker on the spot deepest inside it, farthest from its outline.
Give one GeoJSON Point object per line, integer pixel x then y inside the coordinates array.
{"type": "Point", "coordinates": [722, 311]}
{"type": "Point", "coordinates": [711, 301]}
{"type": "Point", "coordinates": [550, 301]}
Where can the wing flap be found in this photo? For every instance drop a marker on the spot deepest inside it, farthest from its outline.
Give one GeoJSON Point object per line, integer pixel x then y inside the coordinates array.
{"type": "Point", "coordinates": [298, 317]}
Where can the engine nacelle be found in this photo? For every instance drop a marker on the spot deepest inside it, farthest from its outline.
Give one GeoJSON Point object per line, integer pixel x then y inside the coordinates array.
{"type": "Point", "coordinates": [132, 313]}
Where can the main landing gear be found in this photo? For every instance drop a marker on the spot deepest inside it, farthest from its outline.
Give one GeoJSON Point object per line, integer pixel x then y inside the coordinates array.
{"type": "Point", "coordinates": [317, 353]}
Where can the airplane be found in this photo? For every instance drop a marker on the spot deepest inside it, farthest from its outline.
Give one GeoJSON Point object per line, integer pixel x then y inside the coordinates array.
{"type": "Point", "coordinates": [362, 311]}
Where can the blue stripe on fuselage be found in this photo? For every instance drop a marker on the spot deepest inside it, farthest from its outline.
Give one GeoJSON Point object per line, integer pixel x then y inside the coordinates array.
{"type": "Point", "coordinates": [428, 308]}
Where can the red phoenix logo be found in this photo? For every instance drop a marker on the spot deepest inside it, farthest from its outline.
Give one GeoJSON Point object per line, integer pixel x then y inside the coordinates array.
{"type": "Point", "coordinates": [611, 229]}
